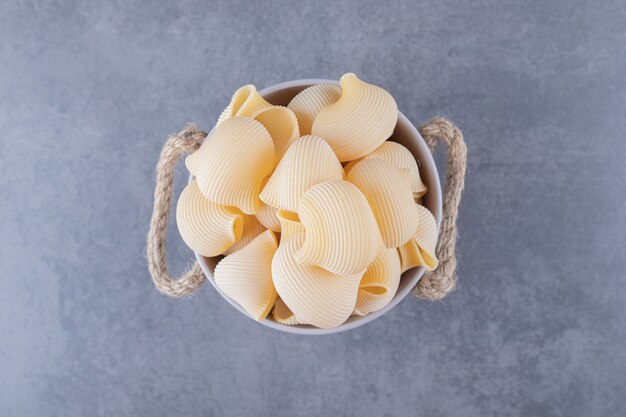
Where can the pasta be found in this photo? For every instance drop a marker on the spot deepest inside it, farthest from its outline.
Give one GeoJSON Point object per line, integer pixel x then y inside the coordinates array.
{"type": "Point", "coordinates": [245, 102]}
{"type": "Point", "coordinates": [420, 249]}
{"type": "Point", "coordinates": [379, 283]}
{"type": "Point", "coordinates": [232, 163]}
{"type": "Point", "coordinates": [251, 229]}
{"type": "Point", "coordinates": [207, 228]}
{"type": "Point", "coordinates": [400, 157]}
{"type": "Point", "coordinates": [282, 126]}
{"type": "Point", "coordinates": [388, 193]}
{"type": "Point", "coordinates": [267, 217]}
{"type": "Point", "coordinates": [308, 161]}
{"type": "Point", "coordinates": [359, 122]}
{"type": "Point", "coordinates": [320, 173]}
{"type": "Point", "coordinates": [282, 314]}
{"type": "Point", "coordinates": [289, 223]}
{"type": "Point", "coordinates": [341, 231]}
{"type": "Point", "coordinates": [246, 275]}
{"type": "Point", "coordinates": [308, 103]}
{"type": "Point", "coordinates": [314, 295]}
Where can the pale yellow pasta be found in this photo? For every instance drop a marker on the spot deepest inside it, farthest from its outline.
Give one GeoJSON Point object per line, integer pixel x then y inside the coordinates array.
{"type": "Point", "coordinates": [282, 126]}
{"type": "Point", "coordinates": [246, 275]}
{"type": "Point", "coordinates": [282, 314]}
{"type": "Point", "coordinates": [400, 157]}
{"type": "Point", "coordinates": [231, 164]}
{"type": "Point", "coordinates": [420, 249]}
{"type": "Point", "coordinates": [379, 283]}
{"type": "Point", "coordinates": [267, 217]}
{"type": "Point", "coordinates": [308, 103]}
{"type": "Point", "coordinates": [314, 295]}
{"type": "Point", "coordinates": [206, 227]}
{"type": "Point", "coordinates": [251, 229]}
{"type": "Point", "coordinates": [289, 223]}
{"type": "Point", "coordinates": [308, 161]}
{"type": "Point", "coordinates": [359, 122]}
{"type": "Point", "coordinates": [341, 231]}
{"type": "Point", "coordinates": [245, 102]}
{"type": "Point", "coordinates": [388, 193]}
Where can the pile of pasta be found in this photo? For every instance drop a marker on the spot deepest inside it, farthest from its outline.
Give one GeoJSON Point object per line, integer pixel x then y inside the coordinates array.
{"type": "Point", "coordinates": [317, 214]}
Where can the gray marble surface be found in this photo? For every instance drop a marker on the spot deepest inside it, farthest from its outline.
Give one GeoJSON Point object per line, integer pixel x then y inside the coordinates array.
{"type": "Point", "coordinates": [88, 93]}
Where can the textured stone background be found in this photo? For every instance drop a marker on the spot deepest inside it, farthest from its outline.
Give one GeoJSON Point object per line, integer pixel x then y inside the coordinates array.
{"type": "Point", "coordinates": [89, 91]}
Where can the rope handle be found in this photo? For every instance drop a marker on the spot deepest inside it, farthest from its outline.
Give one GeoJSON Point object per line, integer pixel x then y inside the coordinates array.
{"type": "Point", "coordinates": [433, 285]}
{"type": "Point", "coordinates": [186, 141]}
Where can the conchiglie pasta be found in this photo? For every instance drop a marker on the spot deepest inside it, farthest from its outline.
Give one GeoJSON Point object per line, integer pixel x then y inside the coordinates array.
{"type": "Point", "coordinates": [379, 283]}
{"type": "Point", "coordinates": [308, 161]}
{"type": "Point", "coordinates": [282, 314]}
{"type": "Point", "coordinates": [400, 157]}
{"type": "Point", "coordinates": [289, 223]}
{"type": "Point", "coordinates": [420, 249]}
{"type": "Point", "coordinates": [341, 231]}
{"type": "Point", "coordinates": [245, 102]}
{"type": "Point", "coordinates": [231, 164]}
{"type": "Point", "coordinates": [246, 275]}
{"type": "Point", "coordinates": [388, 193]}
{"type": "Point", "coordinates": [267, 217]}
{"type": "Point", "coordinates": [314, 295]}
{"type": "Point", "coordinates": [207, 228]}
{"type": "Point", "coordinates": [359, 122]}
{"type": "Point", "coordinates": [282, 126]}
{"type": "Point", "coordinates": [308, 103]}
{"type": "Point", "coordinates": [251, 229]}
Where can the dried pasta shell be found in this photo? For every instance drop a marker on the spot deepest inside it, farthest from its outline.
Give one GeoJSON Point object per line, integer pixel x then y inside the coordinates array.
{"type": "Point", "coordinates": [308, 103]}
{"type": "Point", "coordinates": [359, 122]}
{"type": "Point", "coordinates": [207, 228]}
{"type": "Point", "coordinates": [289, 223]}
{"type": "Point", "coordinates": [246, 275]}
{"type": "Point", "coordinates": [267, 217]}
{"type": "Point", "coordinates": [233, 162]}
{"type": "Point", "coordinates": [341, 231]}
{"type": "Point", "coordinates": [282, 314]}
{"type": "Point", "coordinates": [400, 157]}
{"type": "Point", "coordinates": [314, 295]}
{"type": "Point", "coordinates": [245, 102]}
{"type": "Point", "coordinates": [308, 161]}
{"type": "Point", "coordinates": [282, 126]}
{"type": "Point", "coordinates": [251, 229]}
{"type": "Point", "coordinates": [379, 283]}
{"type": "Point", "coordinates": [420, 249]}
{"type": "Point", "coordinates": [388, 193]}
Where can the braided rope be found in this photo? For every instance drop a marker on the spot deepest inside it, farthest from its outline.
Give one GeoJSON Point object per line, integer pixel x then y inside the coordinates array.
{"type": "Point", "coordinates": [437, 284]}
{"type": "Point", "coordinates": [186, 141]}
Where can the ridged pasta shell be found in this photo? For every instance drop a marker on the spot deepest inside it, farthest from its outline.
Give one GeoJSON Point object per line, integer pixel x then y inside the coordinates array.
{"type": "Point", "coordinates": [308, 161]}
{"type": "Point", "coordinates": [308, 103]}
{"type": "Point", "coordinates": [341, 231]}
{"type": "Point", "coordinates": [282, 314]}
{"type": "Point", "coordinates": [206, 227]}
{"type": "Point", "coordinates": [245, 102]}
{"type": "Point", "coordinates": [400, 157]}
{"type": "Point", "coordinates": [251, 229]}
{"type": "Point", "coordinates": [389, 194]}
{"type": "Point", "coordinates": [314, 295]}
{"type": "Point", "coordinates": [246, 275]}
{"type": "Point", "coordinates": [267, 217]}
{"type": "Point", "coordinates": [379, 283]}
{"type": "Point", "coordinates": [282, 126]}
{"type": "Point", "coordinates": [233, 162]}
{"type": "Point", "coordinates": [420, 249]}
{"type": "Point", "coordinates": [289, 223]}
{"type": "Point", "coordinates": [359, 122]}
